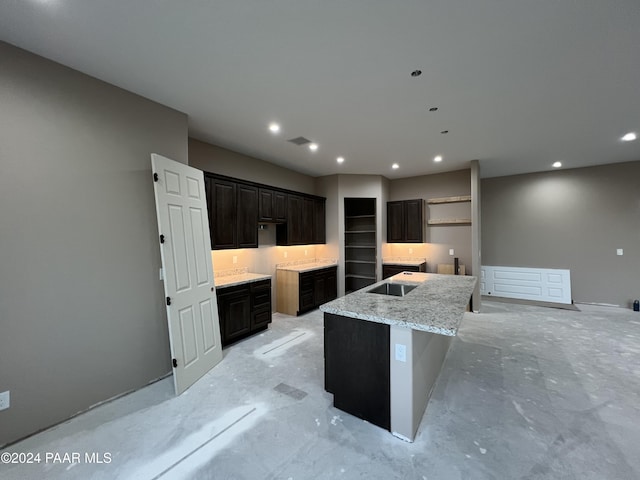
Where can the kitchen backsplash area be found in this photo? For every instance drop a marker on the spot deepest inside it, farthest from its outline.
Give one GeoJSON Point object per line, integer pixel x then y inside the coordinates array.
{"type": "Point", "coordinates": [265, 258]}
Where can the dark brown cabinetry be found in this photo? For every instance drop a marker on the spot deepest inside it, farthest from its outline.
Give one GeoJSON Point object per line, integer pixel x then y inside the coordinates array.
{"type": "Point", "coordinates": [305, 223]}
{"type": "Point", "coordinates": [319, 221]}
{"type": "Point", "coordinates": [357, 367]}
{"type": "Point", "coordinates": [273, 206]}
{"type": "Point", "coordinates": [243, 310]}
{"type": "Point", "coordinates": [233, 214]}
{"type": "Point", "coordinates": [247, 216]}
{"type": "Point", "coordinates": [359, 243]}
{"type": "Point", "coordinates": [389, 270]}
{"type": "Point", "coordinates": [317, 287]}
{"type": "Point", "coordinates": [236, 207]}
{"type": "Point", "coordinates": [222, 213]}
{"type": "Point", "coordinates": [405, 221]}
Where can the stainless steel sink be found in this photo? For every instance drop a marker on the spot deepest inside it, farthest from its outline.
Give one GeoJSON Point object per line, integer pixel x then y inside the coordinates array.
{"type": "Point", "coordinates": [395, 289]}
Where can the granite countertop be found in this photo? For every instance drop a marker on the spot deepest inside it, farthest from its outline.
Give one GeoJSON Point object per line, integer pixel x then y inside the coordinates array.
{"type": "Point", "coordinates": [231, 280]}
{"type": "Point", "coordinates": [306, 267]}
{"type": "Point", "coordinates": [413, 261]}
{"type": "Point", "coordinates": [436, 305]}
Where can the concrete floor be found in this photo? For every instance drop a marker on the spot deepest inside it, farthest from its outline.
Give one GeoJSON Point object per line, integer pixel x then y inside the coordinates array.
{"type": "Point", "coordinates": [525, 393]}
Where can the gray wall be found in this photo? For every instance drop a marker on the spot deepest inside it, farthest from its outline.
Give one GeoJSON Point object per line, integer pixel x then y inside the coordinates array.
{"type": "Point", "coordinates": [81, 307]}
{"type": "Point", "coordinates": [573, 219]}
{"type": "Point", "coordinates": [211, 158]}
{"type": "Point", "coordinates": [441, 237]}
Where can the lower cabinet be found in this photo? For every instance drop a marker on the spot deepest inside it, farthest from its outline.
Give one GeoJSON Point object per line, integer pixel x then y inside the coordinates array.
{"type": "Point", "coordinates": [243, 310]}
{"type": "Point", "coordinates": [298, 293]}
{"type": "Point", "coordinates": [357, 367]}
{"type": "Point", "coordinates": [389, 270]}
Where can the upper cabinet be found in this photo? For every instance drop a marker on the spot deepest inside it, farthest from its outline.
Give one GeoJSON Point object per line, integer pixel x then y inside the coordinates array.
{"type": "Point", "coordinates": [221, 200]}
{"type": "Point", "coordinates": [236, 207]}
{"type": "Point", "coordinates": [247, 216]}
{"type": "Point", "coordinates": [305, 223]}
{"type": "Point", "coordinates": [273, 206]}
{"type": "Point", "coordinates": [405, 221]}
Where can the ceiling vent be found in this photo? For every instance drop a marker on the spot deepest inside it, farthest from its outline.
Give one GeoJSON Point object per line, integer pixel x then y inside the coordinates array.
{"type": "Point", "coordinates": [299, 141]}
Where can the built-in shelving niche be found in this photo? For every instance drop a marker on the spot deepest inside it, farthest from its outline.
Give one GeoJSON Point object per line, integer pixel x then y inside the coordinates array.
{"type": "Point", "coordinates": [449, 221]}
{"type": "Point", "coordinates": [359, 243]}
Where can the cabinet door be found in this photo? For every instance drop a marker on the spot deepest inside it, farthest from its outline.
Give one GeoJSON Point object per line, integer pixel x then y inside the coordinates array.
{"type": "Point", "coordinates": [223, 211]}
{"type": "Point", "coordinates": [319, 221]}
{"type": "Point", "coordinates": [294, 220]}
{"type": "Point", "coordinates": [331, 284]}
{"type": "Point", "coordinates": [395, 221]}
{"type": "Point", "coordinates": [306, 283]}
{"type": "Point", "coordinates": [307, 220]}
{"type": "Point", "coordinates": [413, 221]}
{"type": "Point", "coordinates": [319, 288]}
{"type": "Point", "coordinates": [234, 311]}
{"type": "Point", "coordinates": [280, 207]}
{"type": "Point", "coordinates": [247, 216]}
{"type": "Point", "coordinates": [266, 208]}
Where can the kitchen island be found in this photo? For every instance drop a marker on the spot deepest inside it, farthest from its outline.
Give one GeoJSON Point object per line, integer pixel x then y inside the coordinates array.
{"type": "Point", "coordinates": [385, 345]}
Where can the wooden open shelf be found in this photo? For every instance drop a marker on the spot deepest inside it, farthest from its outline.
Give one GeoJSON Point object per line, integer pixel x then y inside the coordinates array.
{"type": "Point", "coordinates": [450, 221]}
{"type": "Point", "coordinates": [458, 199]}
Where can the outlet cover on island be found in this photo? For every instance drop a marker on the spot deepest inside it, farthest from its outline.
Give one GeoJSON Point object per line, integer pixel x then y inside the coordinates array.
{"type": "Point", "coordinates": [5, 400]}
{"type": "Point", "coordinates": [401, 352]}
{"type": "Point", "coordinates": [235, 259]}
{"type": "Point", "coordinates": [410, 250]}
{"type": "Point", "coordinates": [452, 252]}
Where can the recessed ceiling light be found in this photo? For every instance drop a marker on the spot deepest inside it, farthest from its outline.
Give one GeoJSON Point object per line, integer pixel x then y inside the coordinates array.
{"type": "Point", "coordinates": [437, 158]}
{"type": "Point", "coordinates": [444, 131]}
{"type": "Point", "coordinates": [629, 137]}
{"type": "Point", "coordinates": [340, 159]}
{"type": "Point", "coordinates": [313, 147]}
{"type": "Point", "coordinates": [395, 166]}
{"type": "Point", "coordinates": [556, 164]}
{"type": "Point", "coordinates": [274, 127]}
{"type": "Point", "coordinates": [433, 109]}
{"type": "Point", "coordinates": [416, 73]}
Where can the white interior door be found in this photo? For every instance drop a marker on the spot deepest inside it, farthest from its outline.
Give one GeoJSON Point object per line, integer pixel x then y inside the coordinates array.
{"type": "Point", "coordinates": [192, 309]}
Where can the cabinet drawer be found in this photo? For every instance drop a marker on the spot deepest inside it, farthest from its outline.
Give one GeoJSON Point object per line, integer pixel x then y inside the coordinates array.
{"type": "Point", "coordinates": [261, 298]}
{"type": "Point", "coordinates": [261, 319]}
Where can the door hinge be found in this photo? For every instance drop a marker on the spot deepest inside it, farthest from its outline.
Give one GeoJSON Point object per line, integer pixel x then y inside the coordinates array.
{"type": "Point", "coordinates": [168, 301]}
{"type": "Point", "coordinates": [161, 238]}
{"type": "Point", "coordinates": [175, 363]}
{"type": "Point", "coordinates": [155, 177]}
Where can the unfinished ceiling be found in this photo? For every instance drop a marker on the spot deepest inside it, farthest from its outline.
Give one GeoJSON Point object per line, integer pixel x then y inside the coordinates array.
{"type": "Point", "coordinates": [518, 85]}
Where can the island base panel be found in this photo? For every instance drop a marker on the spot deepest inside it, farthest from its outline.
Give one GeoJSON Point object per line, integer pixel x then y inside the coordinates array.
{"type": "Point", "coordinates": [357, 369]}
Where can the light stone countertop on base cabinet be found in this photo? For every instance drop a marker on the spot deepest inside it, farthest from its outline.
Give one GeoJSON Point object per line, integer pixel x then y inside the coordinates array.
{"type": "Point", "coordinates": [436, 305]}
{"type": "Point", "coordinates": [231, 280]}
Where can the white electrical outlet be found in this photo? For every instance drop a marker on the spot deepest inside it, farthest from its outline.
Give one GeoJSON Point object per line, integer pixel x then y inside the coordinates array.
{"type": "Point", "coordinates": [305, 253]}
{"type": "Point", "coordinates": [235, 259]}
{"type": "Point", "coordinates": [285, 254]}
{"type": "Point", "coordinates": [401, 352]}
{"type": "Point", "coordinates": [410, 250]}
{"type": "Point", "coordinates": [5, 400]}
{"type": "Point", "coordinates": [619, 252]}
{"type": "Point", "coordinates": [161, 274]}
{"type": "Point", "coordinates": [451, 252]}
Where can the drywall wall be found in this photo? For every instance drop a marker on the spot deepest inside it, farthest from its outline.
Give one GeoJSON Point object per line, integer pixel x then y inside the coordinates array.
{"type": "Point", "coordinates": [574, 219]}
{"type": "Point", "coordinates": [214, 159]}
{"type": "Point", "coordinates": [442, 237]}
{"type": "Point", "coordinates": [82, 317]}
